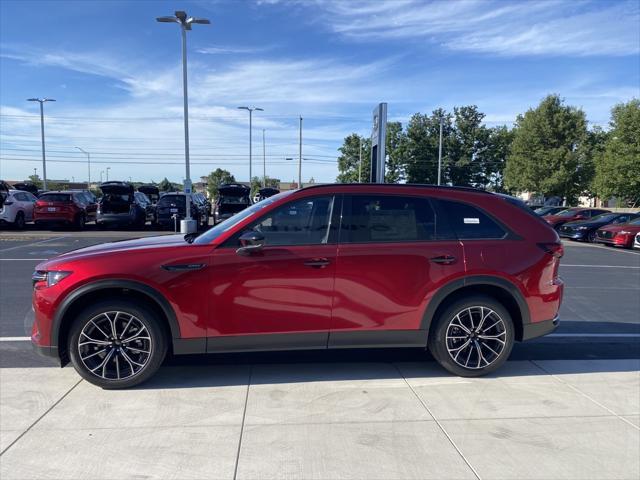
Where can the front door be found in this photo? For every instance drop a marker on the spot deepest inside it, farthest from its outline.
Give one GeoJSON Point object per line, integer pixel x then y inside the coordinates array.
{"type": "Point", "coordinates": [280, 295]}
{"type": "Point", "coordinates": [394, 254]}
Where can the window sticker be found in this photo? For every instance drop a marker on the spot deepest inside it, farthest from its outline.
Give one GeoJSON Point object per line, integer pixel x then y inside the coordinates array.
{"type": "Point", "coordinates": [472, 220]}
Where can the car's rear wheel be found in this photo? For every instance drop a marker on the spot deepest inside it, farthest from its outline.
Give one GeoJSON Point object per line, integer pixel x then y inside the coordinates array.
{"type": "Point", "coordinates": [591, 237]}
{"type": "Point", "coordinates": [80, 222]}
{"type": "Point", "coordinates": [117, 344]}
{"type": "Point", "coordinates": [472, 337]}
{"type": "Point", "coordinates": [19, 221]}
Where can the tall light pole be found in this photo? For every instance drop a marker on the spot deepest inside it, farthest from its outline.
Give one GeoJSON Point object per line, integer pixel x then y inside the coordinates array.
{"type": "Point", "coordinates": [187, 225]}
{"type": "Point", "coordinates": [88, 167]}
{"type": "Point", "coordinates": [360, 162]}
{"type": "Point", "coordinates": [300, 157]}
{"type": "Point", "coordinates": [250, 110]}
{"type": "Point", "coordinates": [108, 168]}
{"type": "Point", "coordinates": [440, 150]}
{"type": "Point", "coordinates": [264, 162]}
{"type": "Point", "coordinates": [101, 172]}
{"type": "Point", "coordinates": [41, 101]}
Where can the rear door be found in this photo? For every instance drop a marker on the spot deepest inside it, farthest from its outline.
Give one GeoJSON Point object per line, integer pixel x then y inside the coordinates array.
{"type": "Point", "coordinates": [394, 253]}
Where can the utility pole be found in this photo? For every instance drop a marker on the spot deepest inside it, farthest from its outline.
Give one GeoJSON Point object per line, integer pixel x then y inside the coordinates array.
{"type": "Point", "coordinates": [264, 162]}
{"type": "Point", "coordinates": [108, 168]}
{"type": "Point", "coordinates": [360, 162]}
{"type": "Point", "coordinates": [300, 157]}
{"type": "Point", "coordinates": [250, 110]}
{"type": "Point", "coordinates": [88, 167]}
{"type": "Point", "coordinates": [42, 101]}
{"type": "Point", "coordinates": [188, 225]}
{"type": "Point", "coordinates": [440, 150]}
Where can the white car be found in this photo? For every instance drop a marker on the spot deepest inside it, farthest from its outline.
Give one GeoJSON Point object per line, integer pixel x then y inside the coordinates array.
{"type": "Point", "coordinates": [17, 208]}
{"type": "Point", "coordinates": [636, 242]}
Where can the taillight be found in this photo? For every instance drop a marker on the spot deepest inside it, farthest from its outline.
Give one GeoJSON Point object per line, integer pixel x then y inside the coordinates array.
{"type": "Point", "coordinates": [555, 249]}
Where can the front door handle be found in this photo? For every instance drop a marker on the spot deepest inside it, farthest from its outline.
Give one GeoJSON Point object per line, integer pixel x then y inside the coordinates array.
{"type": "Point", "coordinates": [183, 268]}
{"type": "Point", "coordinates": [317, 262]}
{"type": "Point", "coordinates": [443, 259]}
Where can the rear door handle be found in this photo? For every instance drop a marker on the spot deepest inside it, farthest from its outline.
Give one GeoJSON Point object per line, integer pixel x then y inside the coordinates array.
{"type": "Point", "coordinates": [443, 259]}
{"type": "Point", "coordinates": [184, 267]}
{"type": "Point", "coordinates": [317, 263]}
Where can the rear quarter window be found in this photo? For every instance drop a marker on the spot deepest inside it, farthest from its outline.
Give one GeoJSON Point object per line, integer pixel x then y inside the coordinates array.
{"type": "Point", "coordinates": [469, 222]}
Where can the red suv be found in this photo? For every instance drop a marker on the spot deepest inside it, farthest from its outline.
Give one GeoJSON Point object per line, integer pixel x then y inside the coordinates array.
{"type": "Point", "coordinates": [74, 208]}
{"type": "Point", "coordinates": [461, 272]}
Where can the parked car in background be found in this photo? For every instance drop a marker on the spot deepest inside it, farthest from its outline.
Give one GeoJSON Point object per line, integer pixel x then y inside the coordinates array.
{"type": "Point", "coordinates": [121, 206]}
{"type": "Point", "coordinates": [27, 187]}
{"type": "Point", "coordinates": [572, 214]}
{"type": "Point", "coordinates": [265, 192]}
{"type": "Point", "coordinates": [17, 208]}
{"type": "Point", "coordinates": [620, 235]}
{"type": "Point", "coordinates": [64, 207]}
{"type": "Point", "coordinates": [636, 243]}
{"type": "Point", "coordinates": [203, 205]}
{"type": "Point", "coordinates": [151, 191]}
{"type": "Point", "coordinates": [171, 208]}
{"type": "Point", "coordinates": [331, 266]}
{"type": "Point", "coordinates": [544, 211]}
{"type": "Point", "coordinates": [232, 198]}
{"type": "Point", "coordinates": [586, 229]}
{"type": "Point", "coordinates": [91, 201]}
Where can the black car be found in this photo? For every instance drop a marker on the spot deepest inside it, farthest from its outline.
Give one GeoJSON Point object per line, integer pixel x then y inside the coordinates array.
{"type": "Point", "coordinates": [204, 207]}
{"type": "Point", "coordinates": [27, 187]}
{"type": "Point", "coordinates": [586, 229]}
{"type": "Point", "coordinates": [232, 198]}
{"type": "Point", "coordinates": [171, 208]}
{"type": "Point", "coordinates": [267, 192]}
{"type": "Point", "coordinates": [542, 211]}
{"type": "Point", "coordinates": [120, 205]}
{"type": "Point", "coordinates": [151, 191]}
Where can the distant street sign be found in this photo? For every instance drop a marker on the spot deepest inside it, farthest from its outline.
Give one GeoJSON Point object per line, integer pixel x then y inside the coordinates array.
{"type": "Point", "coordinates": [378, 141]}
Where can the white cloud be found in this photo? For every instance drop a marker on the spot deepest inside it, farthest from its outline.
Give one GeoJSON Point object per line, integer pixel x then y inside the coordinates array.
{"type": "Point", "coordinates": [232, 50]}
{"type": "Point", "coordinates": [550, 27]}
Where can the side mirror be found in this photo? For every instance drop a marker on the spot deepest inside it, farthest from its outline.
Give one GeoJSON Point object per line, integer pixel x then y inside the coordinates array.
{"type": "Point", "coordinates": [251, 242]}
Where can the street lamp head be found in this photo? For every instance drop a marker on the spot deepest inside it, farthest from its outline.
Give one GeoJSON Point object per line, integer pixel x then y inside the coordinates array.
{"type": "Point", "coordinates": [201, 21]}
{"type": "Point", "coordinates": [181, 15]}
{"type": "Point", "coordinates": [167, 20]}
{"type": "Point", "coordinates": [244, 108]}
{"type": "Point", "coordinates": [49, 100]}
{"type": "Point", "coordinates": [259, 109]}
{"type": "Point", "coordinates": [33, 99]}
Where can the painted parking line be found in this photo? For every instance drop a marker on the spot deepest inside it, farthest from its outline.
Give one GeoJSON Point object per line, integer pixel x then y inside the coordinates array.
{"type": "Point", "coordinates": [22, 259]}
{"type": "Point", "coordinates": [600, 266]}
{"type": "Point", "coordinates": [30, 244]}
{"type": "Point", "coordinates": [15, 339]}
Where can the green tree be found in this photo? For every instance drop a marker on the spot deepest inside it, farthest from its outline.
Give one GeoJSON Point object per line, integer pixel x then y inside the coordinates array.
{"type": "Point", "coordinates": [396, 150]}
{"type": "Point", "coordinates": [422, 140]}
{"type": "Point", "coordinates": [349, 159]}
{"type": "Point", "coordinates": [467, 144]}
{"type": "Point", "coordinates": [495, 158]}
{"type": "Point", "coordinates": [258, 182]}
{"type": "Point", "coordinates": [165, 185]}
{"type": "Point", "coordinates": [617, 163]}
{"type": "Point", "coordinates": [35, 179]}
{"type": "Point", "coordinates": [217, 178]}
{"type": "Point", "coordinates": [550, 151]}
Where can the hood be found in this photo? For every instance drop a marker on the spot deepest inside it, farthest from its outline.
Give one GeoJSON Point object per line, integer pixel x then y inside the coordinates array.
{"type": "Point", "coordinates": [115, 247]}
{"type": "Point", "coordinates": [118, 188]}
{"type": "Point", "coordinates": [584, 223]}
{"type": "Point", "coordinates": [621, 226]}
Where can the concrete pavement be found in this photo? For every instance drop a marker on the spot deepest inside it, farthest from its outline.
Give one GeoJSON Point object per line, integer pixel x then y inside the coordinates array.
{"type": "Point", "coordinates": [557, 419]}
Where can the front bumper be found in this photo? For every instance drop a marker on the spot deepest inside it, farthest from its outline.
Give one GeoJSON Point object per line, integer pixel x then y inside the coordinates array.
{"type": "Point", "coordinates": [539, 329]}
{"type": "Point", "coordinates": [573, 234]}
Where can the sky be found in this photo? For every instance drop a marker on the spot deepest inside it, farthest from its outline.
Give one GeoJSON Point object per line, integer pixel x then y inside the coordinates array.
{"type": "Point", "coordinates": [115, 74]}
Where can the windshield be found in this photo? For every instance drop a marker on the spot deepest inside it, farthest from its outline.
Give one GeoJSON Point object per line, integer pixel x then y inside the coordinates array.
{"type": "Point", "coordinates": [233, 199]}
{"type": "Point", "coordinates": [56, 197]}
{"type": "Point", "coordinates": [605, 217]}
{"type": "Point", "coordinates": [567, 213]}
{"type": "Point", "coordinates": [230, 222]}
{"type": "Point", "coordinates": [169, 199]}
{"type": "Point", "coordinates": [635, 221]}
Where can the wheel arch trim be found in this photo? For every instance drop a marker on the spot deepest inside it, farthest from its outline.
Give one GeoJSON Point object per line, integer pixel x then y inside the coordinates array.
{"type": "Point", "coordinates": [474, 280]}
{"type": "Point", "coordinates": [92, 287]}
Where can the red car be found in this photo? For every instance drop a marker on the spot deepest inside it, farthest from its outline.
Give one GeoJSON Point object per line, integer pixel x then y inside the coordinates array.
{"type": "Point", "coordinates": [619, 235]}
{"type": "Point", "coordinates": [462, 272]}
{"type": "Point", "coordinates": [74, 208]}
{"type": "Point", "coordinates": [571, 215]}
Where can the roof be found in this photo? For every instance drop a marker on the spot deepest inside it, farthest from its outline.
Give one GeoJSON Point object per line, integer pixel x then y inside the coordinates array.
{"type": "Point", "coordinates": [401, 185]}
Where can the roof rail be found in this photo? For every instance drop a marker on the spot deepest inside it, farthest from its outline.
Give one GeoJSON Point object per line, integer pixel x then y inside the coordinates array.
{"type": "Point", "coordinates": [413, 185]}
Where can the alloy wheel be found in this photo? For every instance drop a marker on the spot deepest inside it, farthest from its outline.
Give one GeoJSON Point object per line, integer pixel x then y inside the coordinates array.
{"type": "Point", "coordinates": [475, 337]}
{"type": "Point", "coordinates": [115, 345]}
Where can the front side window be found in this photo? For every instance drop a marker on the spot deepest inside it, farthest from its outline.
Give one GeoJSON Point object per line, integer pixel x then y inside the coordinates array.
{"type": "Point", "coordinates": [469, 222]}
{"type": "Point", "coordinates": [302, 222]}
{"type": "Point", "coordinates": [391, 218]}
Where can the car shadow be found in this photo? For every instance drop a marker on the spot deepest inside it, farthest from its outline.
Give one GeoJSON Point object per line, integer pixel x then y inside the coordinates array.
{"type": "Point", "coordinates": [580, 354]}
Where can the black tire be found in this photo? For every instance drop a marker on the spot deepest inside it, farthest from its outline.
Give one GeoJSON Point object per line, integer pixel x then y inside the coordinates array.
{"type": "Point", "coordinates": [157, 344]}
{"type": "Point", "coordinates": [440, 349]}
{"type": "Point", "coordinates": [80, 222]}
{"type": "Point", "coordinates": [591, 237]}
{"type": "Point", "coordinates": [19, 222]}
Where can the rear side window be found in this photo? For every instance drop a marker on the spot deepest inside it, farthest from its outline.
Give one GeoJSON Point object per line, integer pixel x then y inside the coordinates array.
{"type": "Point", "coordinates": [168, 200]}
{"type": "Point", "coordinates": [391, 218]}
{"type": "Point", "coordinates": [469, 222]}
{"type": "Point", "coordinates": [56, 197]}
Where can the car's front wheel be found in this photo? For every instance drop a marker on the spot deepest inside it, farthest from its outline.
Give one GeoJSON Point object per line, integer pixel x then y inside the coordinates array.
{"type": "Point", "coordinates": [472, 336]}
{"type": "Point", "coordinates": [117, 344]}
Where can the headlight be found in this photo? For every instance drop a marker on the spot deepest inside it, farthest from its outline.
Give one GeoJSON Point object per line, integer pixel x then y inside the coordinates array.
{"type": "Point", "coordinates": [583, 228]}
{"type": "Point", "coordinates": [52, 277]}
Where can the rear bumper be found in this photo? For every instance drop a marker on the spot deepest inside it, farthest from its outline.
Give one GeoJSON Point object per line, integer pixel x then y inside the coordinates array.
{"type": "Point", "coordinates": [115, 218]}
{"type": "Point", "coordinates": [539, 329]}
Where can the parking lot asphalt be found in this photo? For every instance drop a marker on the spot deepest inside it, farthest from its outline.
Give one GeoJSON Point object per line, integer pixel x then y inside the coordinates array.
{"type": "Point", "coordinates": [565, 406]}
